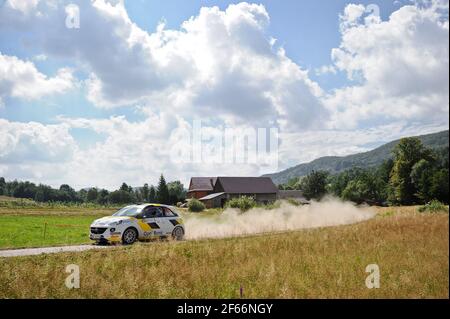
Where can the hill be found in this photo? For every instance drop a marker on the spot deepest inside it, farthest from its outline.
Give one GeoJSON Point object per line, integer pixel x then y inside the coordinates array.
{"type": "Point", "coordinates": [336, 164]}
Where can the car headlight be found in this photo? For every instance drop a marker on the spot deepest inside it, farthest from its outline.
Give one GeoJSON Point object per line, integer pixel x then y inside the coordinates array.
{"type": "Point", "coordinates": [115, 223]}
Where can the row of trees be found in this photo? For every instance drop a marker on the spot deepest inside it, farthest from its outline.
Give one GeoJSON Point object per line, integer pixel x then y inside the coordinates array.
{"type": "Point", "coordinates": [415, 175]}
{"type": "Point", "coordinates": [164, 193]}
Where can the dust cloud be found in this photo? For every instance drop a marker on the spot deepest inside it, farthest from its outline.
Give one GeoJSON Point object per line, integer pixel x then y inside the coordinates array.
{"type": "Point", "coordinates": [328, 212]}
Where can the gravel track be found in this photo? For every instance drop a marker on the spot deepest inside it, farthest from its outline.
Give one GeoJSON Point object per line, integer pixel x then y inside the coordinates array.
{"type": "Point", "coordinates": [47, 250]}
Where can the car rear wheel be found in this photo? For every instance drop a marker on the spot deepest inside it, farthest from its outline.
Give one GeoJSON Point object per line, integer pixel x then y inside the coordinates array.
{"type": "Point", "coordinates": [178, 233]}
{"type": "Point", "coordinates": [129, 236]}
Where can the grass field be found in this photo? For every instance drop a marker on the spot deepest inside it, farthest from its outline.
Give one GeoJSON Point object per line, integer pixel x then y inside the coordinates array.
{"type": "Point", "coordinates": [25, 223]}
{"type": "Point", "coordinates": [411, 249]}
{"type": "Point", "coordinates": [36, 231]}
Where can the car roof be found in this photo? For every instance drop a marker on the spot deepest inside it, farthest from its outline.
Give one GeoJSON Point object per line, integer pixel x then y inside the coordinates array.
{"type": "Point", "coordinates": [151, 204]}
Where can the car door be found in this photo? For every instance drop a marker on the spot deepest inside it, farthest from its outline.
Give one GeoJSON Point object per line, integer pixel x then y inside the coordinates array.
{"type": "Point", "coordinates": [169, 221]}
{"type": "Point", "coordinates": [151, 217]}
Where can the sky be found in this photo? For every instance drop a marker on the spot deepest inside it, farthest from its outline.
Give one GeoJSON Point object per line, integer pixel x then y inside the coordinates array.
{"type": "Point", "coordinates": [96, 93]}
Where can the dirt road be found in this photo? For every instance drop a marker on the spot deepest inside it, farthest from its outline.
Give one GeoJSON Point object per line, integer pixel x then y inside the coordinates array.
{"type": "Point", "coordinates": [47, 250]}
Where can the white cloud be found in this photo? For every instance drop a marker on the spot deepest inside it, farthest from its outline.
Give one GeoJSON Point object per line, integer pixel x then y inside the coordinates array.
{"type": "Point", "coordinates": [140, 151]}
{"type": "Point", "coordinates": [34, 142]}
{"type": "Point", "coordinates": [40, 57]}
{"type": "Point", "coordinates": [220, 63]}
{"type": "Point", "coordinates": [400, 66]}
{"type": "Point", "coordinates": [352, 15]}
{"type": "Point", "coordinates": [21, 79]}
{"type": "Point", "coordinates": [24, 6]}
{"type": "Point", "coordinates": [325, 69]}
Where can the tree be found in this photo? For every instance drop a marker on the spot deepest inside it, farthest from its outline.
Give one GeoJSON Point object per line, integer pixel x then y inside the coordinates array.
{"type": "Point", "coordinates": [44, 193]}
{"type": "Point", "coordinates": [384, 170]}
{"type": "Point", "coordinates": [365, 185]}
{"type": "Point", "coordinates": [152, 194]}
{"type": "Point", "coordinates": [314, 184]}
{"type": "Point", "coordinates": [24, 190]}
{"type": "Point", "coordinates": [442, 157]}
{"type": "Point", "coordinates": [92, 195]}
{"type": "Point", "coordinates": [380, 181]}
{"type": "Point", "coordinates": [177, 193]}
{"type": "Point", "coordinates": [137, 195]}
{"type": "Point", "coordinates": [355, 191]}
{"type": "Point", "coordinates": [421, 176]}
{"type": "Point", "coordinates": [102, 197]}
{"type": "Point", "coordinates": [407, 153]}
{"type": "Point", "coordinates": [439, 188]}
{"type": "Point", "coordinates": [82, 194]}
{"type": "Point", "coordinates": [120, 197]}
{"type": "Point", "coordinates": [2, 186]}
{"type": "Point", "coordinates": [67, 194]}
{"type": "Point", "coordinates": [145, 192]}
{"type": "Point", "coordinates": [337, 183]}
{"type": "Point", "coordinates": [126, 188]}
{"type": "Point", "coordinates": [162, 192]}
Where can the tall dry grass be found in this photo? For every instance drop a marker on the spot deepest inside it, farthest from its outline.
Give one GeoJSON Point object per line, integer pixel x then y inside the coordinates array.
{"type": "Point", "coordinates": [411, 249]}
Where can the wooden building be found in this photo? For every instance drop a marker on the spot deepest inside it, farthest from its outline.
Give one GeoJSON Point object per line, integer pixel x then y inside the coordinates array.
{"type": "Point", "coordinates": [200, 187]}
{"type": "Point", "coordinates": [214, 192]}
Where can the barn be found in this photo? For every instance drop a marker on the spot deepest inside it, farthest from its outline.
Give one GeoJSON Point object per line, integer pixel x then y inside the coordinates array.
{"type": "Point", "coordinates": [216, 191]}
{"type": "Point", "coordinates": [200, 187]}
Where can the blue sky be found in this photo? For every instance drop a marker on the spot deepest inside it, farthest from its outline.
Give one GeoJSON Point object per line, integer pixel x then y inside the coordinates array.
{"type": "Point", "coordinates": [339, 79]}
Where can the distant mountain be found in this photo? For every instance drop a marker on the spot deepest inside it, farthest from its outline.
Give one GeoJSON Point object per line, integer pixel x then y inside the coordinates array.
{"type": "Point", "coordinates": [336, 164]}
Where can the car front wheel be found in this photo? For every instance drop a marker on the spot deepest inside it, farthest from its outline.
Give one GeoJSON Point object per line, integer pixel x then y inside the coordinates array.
{"type": "Point", "coordinates": [129, 236]}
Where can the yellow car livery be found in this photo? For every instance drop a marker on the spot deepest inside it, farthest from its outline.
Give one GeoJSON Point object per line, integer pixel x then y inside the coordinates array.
{"type": "Point", "coordinates": [138, 222]}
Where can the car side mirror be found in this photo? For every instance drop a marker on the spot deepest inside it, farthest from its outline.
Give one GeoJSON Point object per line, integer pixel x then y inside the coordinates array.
{"type": "Point", "coordinates": [140, 216]}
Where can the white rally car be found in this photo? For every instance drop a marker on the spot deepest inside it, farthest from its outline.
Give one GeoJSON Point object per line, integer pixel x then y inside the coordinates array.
{"type": "Point", "coordinates": [138, 222]}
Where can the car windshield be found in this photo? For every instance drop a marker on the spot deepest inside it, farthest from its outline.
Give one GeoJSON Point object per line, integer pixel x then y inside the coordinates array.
{"type": "Point", "coordinates": [128, 211]}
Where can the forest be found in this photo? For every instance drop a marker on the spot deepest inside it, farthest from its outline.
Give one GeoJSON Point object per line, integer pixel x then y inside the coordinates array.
{"type": "Point", "coordinates": [415, 175]}
{"type": "Point", "coordinates": [165, 193]}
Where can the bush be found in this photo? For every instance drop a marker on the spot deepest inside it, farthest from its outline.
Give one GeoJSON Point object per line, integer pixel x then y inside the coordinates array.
{"type": "Point", "coordinates": [314, 184]}
{"type": "Point", "coordinates": [195, 205]}
{"type": "Point", "coordinates": [273, 205]}
{"type": "Point", "coordinates": [244, 203]}
{"type": "Point", "coordinates": [433, 207]}
{"type": "Point", "coordinates": [293, 202]}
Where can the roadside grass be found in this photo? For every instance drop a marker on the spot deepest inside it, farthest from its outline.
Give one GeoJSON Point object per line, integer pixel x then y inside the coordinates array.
{"type": "Point", "coordinates": [411, 249]}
